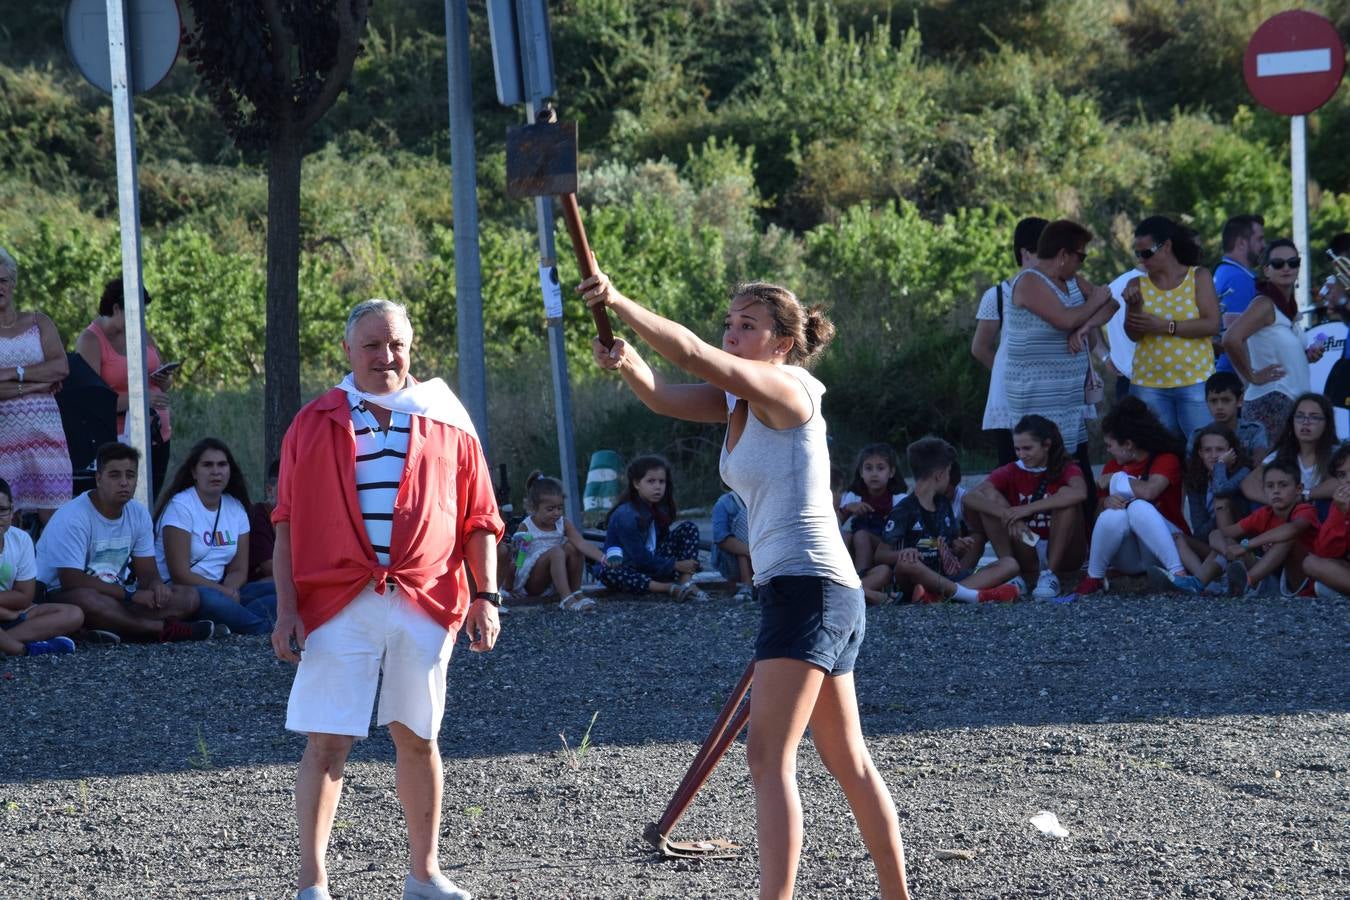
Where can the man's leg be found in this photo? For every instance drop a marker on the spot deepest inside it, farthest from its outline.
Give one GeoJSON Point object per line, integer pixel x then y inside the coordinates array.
{"type": "Point", "coordinates": [419, 782]}
{"type": "Point", "coordinates": [318, 787]}
{"type": "Point", "coordinates": [105, 613]}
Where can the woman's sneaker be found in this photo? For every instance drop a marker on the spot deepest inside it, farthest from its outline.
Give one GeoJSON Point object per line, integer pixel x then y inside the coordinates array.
{"type": "Point", "coordinates": [1047, 586]}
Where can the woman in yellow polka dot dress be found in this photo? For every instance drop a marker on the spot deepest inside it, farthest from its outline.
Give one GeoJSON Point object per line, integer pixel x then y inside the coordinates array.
{"type": "Point", "coordinates": [1173, 315]}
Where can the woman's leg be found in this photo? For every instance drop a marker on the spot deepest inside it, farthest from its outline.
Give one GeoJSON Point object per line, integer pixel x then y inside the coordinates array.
{"type": "Point", "coordinates": [1192, 410]}
{"type": "Point", "coordinates": [837, 734]}
{"type": "Point", "coordinates": [1113, 525]}
{"type": "Point", "coordinates": [1083, 457]}
{"type": "Point", "coordinates": [225, 610]}
{"type": "Point", "coordinates": [1160, 401]}
{"type": "Point", "coordinates": [1155, 533]}
{"type": "Point", "coordinates": [781, 704]}
{"type": "Point", "coordinates": [1067, 546]}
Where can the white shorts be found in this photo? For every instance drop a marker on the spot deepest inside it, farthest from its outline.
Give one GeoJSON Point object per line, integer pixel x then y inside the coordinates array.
{"type": "Point", "coordinates": [344, 658]}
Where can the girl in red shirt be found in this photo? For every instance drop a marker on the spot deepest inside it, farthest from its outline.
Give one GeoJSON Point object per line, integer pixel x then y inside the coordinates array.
{"type": "Point", "coordinates": [1141, 487]}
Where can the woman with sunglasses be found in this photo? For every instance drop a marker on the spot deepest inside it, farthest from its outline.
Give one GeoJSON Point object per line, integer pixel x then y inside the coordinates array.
{"type": "Point", "coordinates": [1172, 313]}
{"type": "Point", "coordinates": [1266, 343]}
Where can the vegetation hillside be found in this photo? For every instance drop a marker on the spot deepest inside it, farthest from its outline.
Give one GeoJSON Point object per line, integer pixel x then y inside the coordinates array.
{"type": "Point", "coordinates": [873, 155]}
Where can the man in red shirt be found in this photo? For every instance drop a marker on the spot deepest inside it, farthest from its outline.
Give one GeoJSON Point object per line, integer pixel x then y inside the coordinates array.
{"type": "Point", "coordinates": [384, 499]}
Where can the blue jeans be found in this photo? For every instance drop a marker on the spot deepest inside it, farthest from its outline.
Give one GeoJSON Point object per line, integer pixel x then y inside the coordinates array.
{"type": "Point", "coordinates": [1182, 409]}
{"type": "Point", "coordinates": [255, 613]}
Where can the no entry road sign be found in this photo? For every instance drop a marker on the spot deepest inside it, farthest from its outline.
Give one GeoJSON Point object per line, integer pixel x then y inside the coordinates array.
{"type": "Point", "coordinates": [1294, 62]}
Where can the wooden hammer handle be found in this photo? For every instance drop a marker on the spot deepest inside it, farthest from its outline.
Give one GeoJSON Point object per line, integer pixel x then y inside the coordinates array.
{"type": "Point", "coordinates": [585, 262]}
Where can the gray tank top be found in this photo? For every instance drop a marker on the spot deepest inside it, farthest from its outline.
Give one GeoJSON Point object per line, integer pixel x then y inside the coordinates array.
{"type": "Point", "coordinates": [784, 479]}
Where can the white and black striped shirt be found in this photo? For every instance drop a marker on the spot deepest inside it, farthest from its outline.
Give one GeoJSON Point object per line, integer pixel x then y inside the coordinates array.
{"type": "Point", "coordinates": [380, 457]}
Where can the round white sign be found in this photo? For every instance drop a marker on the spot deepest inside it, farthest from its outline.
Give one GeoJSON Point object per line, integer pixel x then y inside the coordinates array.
{"type": "Point", "coordinates": [155, 31]}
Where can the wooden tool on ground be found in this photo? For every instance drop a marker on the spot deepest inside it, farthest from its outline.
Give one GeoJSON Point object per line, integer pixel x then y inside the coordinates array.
{"type": "Point", "coordinates": [541, 161]}
{"type": "Point", "coordinates": [730, 721]}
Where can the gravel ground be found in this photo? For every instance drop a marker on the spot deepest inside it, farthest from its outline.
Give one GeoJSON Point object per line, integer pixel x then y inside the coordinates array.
{"type": "Point", "coordinates": [1191, 748]}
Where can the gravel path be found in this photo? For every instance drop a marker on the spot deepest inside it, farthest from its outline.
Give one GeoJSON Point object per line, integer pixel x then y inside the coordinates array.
{"type": "Point", "coordinates": [1191, 748]}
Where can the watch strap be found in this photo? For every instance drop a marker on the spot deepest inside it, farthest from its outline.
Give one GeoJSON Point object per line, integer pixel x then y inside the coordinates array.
{"type": "Point", "coordinates": [492, 597]}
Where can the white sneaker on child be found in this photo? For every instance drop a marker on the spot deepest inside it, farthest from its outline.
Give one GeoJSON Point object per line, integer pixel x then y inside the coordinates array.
{"type": "Point", "coordinates": [1327, 593]}
{"type": "Point", "coordinates": [1047, 586]}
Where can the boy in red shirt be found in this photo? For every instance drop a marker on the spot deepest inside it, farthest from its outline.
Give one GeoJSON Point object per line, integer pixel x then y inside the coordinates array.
{"type": "Point", "coordinates": [1272, 542]}
{"type": "Point", "coordinates": [1327, 564]}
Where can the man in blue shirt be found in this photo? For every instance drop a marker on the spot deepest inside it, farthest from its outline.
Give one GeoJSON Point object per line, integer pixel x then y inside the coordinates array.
{"type": "Point", "coordinates": [1244, 241]}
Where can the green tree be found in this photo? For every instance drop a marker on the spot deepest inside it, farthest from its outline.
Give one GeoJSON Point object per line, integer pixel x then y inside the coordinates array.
{"type": "Point", "coordinates": [273, 69]}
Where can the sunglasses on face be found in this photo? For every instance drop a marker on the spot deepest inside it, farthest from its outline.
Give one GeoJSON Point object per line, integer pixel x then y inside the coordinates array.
{"type": "Point", "coordinates": [1278, 264]}
{"type": "Point", "coordinates": [1148, 254]}
{"type": "Point", "coordinates": [1081, 254]}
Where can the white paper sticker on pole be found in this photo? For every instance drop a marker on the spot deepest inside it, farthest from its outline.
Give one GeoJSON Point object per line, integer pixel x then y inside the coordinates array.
{"type": "Point", "coordinates": [553, 301]}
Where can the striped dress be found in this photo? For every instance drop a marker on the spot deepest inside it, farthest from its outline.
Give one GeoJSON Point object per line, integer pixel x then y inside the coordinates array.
{"type": "Point", "coordinates": [380, 456]}
{"type": "Point", "coordinates": [34, 458]}
{"type": "Point", "coordinates": [1041, 375]}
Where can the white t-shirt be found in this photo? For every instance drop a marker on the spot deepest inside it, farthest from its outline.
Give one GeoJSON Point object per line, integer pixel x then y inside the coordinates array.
{"type": "Point", "coordinates": [17, 561]}
{"type": "Point", "coordinates": [1311, 475]}
{"type": "Point", "coordinates": [79, 537]}
{"type": "Point", "coordinates": [212, 542]}
{"type": "Point", "coordinates": [996, 413]}
{"type": "Point", "coordinates": [1122, 348]}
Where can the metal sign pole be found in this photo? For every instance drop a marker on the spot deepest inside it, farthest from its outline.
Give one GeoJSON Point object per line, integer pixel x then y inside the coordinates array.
{"type": "Point", "coordinates": [129, 212]}
{"type": "Point", "coordinates": [1298, 164]}
{"type": "Point", "coordinates": [536, 64]}
{"type": "Point", "coordinates": [464, 193]}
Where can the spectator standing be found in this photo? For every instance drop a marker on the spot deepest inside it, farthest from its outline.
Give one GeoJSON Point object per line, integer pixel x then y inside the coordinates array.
{"type": "Point", "coordinates": [1266, 346]}
{"type": "Point", "coordinates": [1172, 316]}
{"type": "Point", "coordinates": [104, 346]}
{"type": "Point", "coordinates": [201, 540]}
{"type": "Point", "coordinates": [34, 458]}
{"type": "Point", "coordinates": [1244, 243]}
{"type": "Point", "coordinates": [986, 345]}
{"type": "Point", "coordinates": [384, 501]}
{"type": "Point", "coordinates": [98, 553]}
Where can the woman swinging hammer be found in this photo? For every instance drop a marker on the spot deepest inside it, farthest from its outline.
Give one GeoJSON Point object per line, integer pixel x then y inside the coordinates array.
{"type": "Point", "coordinates": [811, 601]}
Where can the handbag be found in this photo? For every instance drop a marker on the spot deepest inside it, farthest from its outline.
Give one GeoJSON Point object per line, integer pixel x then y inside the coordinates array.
{"type": "Point", "coordinates": [1094, 387]}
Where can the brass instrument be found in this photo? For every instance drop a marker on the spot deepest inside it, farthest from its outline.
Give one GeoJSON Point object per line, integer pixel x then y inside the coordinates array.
{"type": "Point", "coordinates": [1341, 266]}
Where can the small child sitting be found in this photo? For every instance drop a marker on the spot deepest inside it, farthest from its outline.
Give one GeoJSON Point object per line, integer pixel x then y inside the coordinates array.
{"type": "Point", "coordinates": [1214, 473]}
{"type": "Point", "coordinates": [1265, 550]}
{"type": "Point", "coordinates": [550, 550]}
{"type": "Point", "coordinates": [1223, 396]}
{"type": "Point", "coordinates": [876, 487]}
{"type": "Point", "coordinates": [26, 629]}
{"type": "Point", "coordinates": [922, 541]}
{"type": "Point", "coordinates": [1327, 565]}
{"type": "Point", "coordinates": [654, 554]}
{"type": "Point", "coordinates": [731, 543]}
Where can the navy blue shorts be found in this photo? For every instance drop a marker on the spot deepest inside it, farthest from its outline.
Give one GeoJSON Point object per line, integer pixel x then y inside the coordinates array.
{"type": "Point", "coordinates": [811, 618]}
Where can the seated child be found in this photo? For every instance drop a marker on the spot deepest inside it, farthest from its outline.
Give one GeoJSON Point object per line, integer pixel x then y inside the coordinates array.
{"type": "Point", "coordinates": [877, 486]}
{"type": "Point", "coordinates": [549, 549]}
{"type": "Point", "coordinates": [731, 543]}
{"type": "Point", "coordinates": [1271, 543]}
{"type": "Point", "coordinates": [1327, 564]}
{"type": "Point", "coordinates": [1032, 509]}
{"type": "Point", "coordinates": [658, 556]}
{"type": "Point", "coordinates": [25, 629]}
{"type": "Point", "coordinates": [970, 525]}
{"type": "Point", "coordinates": [922, 542]}
{"type": "Point", "coordinates": [1141, 507]}
{"type": "Point", "coordinates": [262, 536]}
{"type": "Point", "coordinates": [1308, 437]}
{"type": "Point", "coordinates": [1214, 473]}
{"type": "Point", "coordinates": [1223, 396]}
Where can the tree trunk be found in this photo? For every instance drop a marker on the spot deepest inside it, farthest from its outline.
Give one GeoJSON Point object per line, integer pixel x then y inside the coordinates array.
{"type": "Point", "coordinates": [282, 359]}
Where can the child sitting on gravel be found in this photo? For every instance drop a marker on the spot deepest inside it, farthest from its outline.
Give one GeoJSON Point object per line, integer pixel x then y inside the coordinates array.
{"type": "Point", "coordinates": [876, 487]}
{"type": "Point", "coordinates": [1265, 551]}
{"type": "Point", "coordinates": [550, 550]}
{"type": "Point", "coordinates": [922, 542]}
{"type": "Point", "coordinates": [1327, 564]}
{"type": "Point", "coordinates": [1214, 473]}
{"type": "Point", "coordinates": [731, 543]}
{"type": "Point", "coordinates": [25, 629]}
{"type": "Point", "coordinates": [648, 552]}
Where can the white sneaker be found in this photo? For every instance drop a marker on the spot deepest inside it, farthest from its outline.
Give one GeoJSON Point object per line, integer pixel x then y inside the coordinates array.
{"type": "Point", "coordinates": [316, 892]}
{"type": "Point", "coordinates": [438, 888]}
{"type": "Point", "coordinates": [1047, 586]}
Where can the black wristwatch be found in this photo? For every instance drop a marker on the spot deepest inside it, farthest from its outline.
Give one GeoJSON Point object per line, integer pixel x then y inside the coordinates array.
{"type": "Point", "coordinates": [490, 596]}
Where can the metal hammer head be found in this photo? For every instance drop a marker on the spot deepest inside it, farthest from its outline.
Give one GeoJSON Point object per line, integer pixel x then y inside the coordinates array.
{"type": "Point", "coordinates": [541, 160]}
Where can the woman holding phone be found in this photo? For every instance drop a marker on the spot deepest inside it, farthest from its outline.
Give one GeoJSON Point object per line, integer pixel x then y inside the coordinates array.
{"type": "Point", "coordinates": [104, 346]}
{"type": "Point", "coordinates": [811, 601]}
